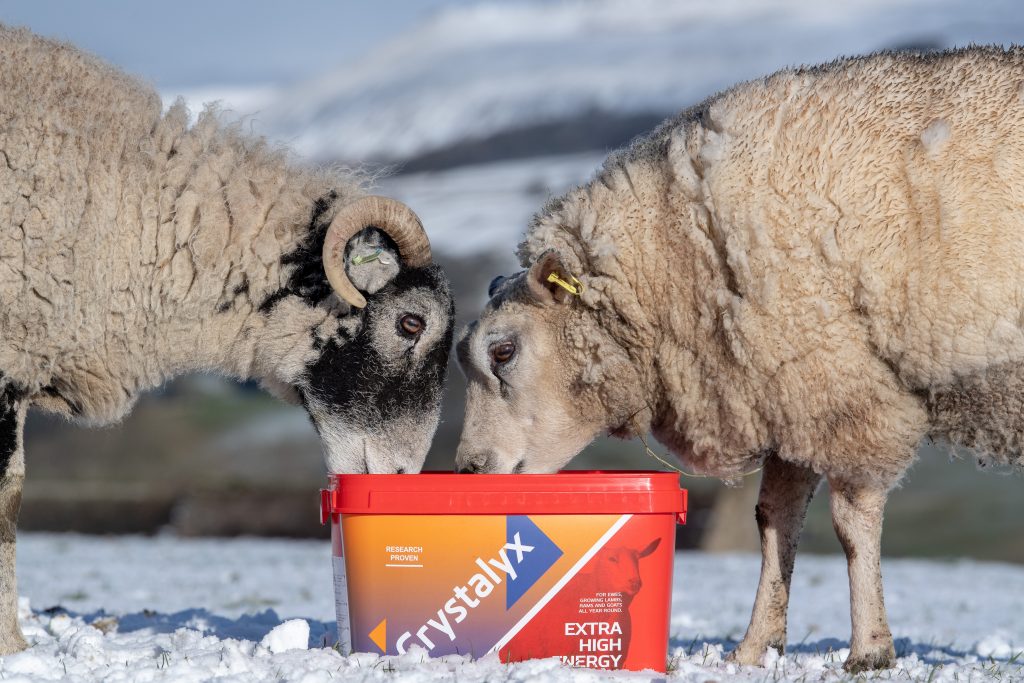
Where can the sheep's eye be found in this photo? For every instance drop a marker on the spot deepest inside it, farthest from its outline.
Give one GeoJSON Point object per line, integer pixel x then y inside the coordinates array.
{"type": "Point", "coordinates": [411, 325]}
{"type": "Point", "coordinates": [613, 560]}
{"type": "Point", "coordinates": [502, 352]}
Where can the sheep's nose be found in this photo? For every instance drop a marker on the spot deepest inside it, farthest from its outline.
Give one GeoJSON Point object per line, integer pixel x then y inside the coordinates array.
{"type": "Point", "coordinates": [472, 464]}
{"type": "Point", "coordinates": [634, 585]}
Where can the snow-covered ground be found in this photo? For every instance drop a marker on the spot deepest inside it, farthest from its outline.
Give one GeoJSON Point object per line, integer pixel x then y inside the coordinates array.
{"type": "Point", "coordinates": [167, 609]}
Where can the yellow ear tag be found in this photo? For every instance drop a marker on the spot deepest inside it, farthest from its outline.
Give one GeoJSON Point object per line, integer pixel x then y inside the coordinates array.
{"type": "Point", "coordinates": [359, 260]}
{"type": "Point", "coordinates": [575, 289]}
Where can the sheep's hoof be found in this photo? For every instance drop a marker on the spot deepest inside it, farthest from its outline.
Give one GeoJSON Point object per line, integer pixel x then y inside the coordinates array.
{"type": "Point", "coordinates": [751, 655]}
{"type": "Point", "coordinates": [872, 661]}
{"type": "Point", "coordinates": [11, 643]}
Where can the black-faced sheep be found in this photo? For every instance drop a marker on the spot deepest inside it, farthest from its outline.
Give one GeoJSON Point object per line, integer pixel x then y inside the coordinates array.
{"type": "Point", "coordinates": [812, 271]}
{"type": "Point", "coordinates": [135, 247]}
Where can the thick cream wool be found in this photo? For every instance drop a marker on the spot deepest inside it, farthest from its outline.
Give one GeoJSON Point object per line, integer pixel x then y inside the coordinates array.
{"type": "Point", "coordinates": [125, 229]}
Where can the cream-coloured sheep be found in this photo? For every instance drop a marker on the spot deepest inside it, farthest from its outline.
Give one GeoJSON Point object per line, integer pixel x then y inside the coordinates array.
{"type": "Point", "coordinates": [135, 247]}
{"type": "Point", "coordinates": [810, 271]}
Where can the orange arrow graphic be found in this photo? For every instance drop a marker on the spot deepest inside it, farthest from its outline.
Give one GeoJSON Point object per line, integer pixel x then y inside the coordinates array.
{"type": "Point", "coordinates": [379, 635]}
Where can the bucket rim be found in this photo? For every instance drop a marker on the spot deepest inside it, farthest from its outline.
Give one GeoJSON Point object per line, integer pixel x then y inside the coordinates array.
{"type": "Point", "coordinates": [446, 493]}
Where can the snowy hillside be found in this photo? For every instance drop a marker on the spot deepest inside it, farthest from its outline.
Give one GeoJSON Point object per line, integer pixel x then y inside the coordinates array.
{"type": "Point", "coordinates": [166, 609]}
{"type": "Point", "coordinates": [475, 209]}
{"type": "Point", "coordinates": [477, 69]}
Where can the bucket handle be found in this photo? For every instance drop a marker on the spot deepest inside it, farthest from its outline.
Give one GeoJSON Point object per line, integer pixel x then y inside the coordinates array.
{"type": "Point", "coordinates": [325, 506]}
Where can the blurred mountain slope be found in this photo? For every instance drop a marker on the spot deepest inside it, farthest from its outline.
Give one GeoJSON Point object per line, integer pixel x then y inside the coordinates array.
{"type": "Point", "coordinates": [473, 71]}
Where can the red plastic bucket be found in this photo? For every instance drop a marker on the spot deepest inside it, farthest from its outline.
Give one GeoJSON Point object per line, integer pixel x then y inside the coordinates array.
{"type": "Point", "coordinates": [576, 565]}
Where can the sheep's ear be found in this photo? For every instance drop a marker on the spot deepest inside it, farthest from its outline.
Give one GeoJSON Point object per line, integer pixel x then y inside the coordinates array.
{"type": "Point", "coordinates": [539, 279]}
{"type": "Point", "coordinates": [495, 283]}
{"type": "Point", "coordinates": [651, 547]}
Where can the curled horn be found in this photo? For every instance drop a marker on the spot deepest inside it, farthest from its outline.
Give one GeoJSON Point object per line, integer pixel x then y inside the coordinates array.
{"type": "Point", "coordinates": [394, 218]}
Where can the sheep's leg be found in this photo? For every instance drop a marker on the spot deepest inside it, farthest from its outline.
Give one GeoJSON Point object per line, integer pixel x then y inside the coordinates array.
{"type": "Point", "coordinates": [786, 491]}
{"type": "Point", "coordinates": [857, 518]}
{"type": "Point", "coordinates": [12, 466]}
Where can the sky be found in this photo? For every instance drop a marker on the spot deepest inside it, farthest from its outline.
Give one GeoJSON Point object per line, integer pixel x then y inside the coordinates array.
{"type": "Point", "coordinates": [303, 37]}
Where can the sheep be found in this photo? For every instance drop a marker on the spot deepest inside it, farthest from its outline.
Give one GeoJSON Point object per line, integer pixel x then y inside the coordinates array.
{"type": "Point", "coordinates": [809, 272]}
{"type": "Point", "coordinates": [135, 246]}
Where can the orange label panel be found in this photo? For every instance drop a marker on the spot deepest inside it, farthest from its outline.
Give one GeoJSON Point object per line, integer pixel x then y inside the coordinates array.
{"type": "Point", "coordinates": [593, 590]}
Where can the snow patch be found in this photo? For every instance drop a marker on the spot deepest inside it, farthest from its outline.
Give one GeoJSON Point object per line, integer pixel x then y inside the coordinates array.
{"type": "Point", "coordinates": [935, 135]}
{"type": "Point", "coordinates": [714, 147]}
{"type": "Point", "coordinates": [830, 245]}
{"type": "Point", "coordinates": [291, 635]}
{"type": "Point", "coordinates": [824, 308]}
{"type": "Point", "coordinates": [998, 645]}
{"type": "Point", "coordinates": [27, 664]}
